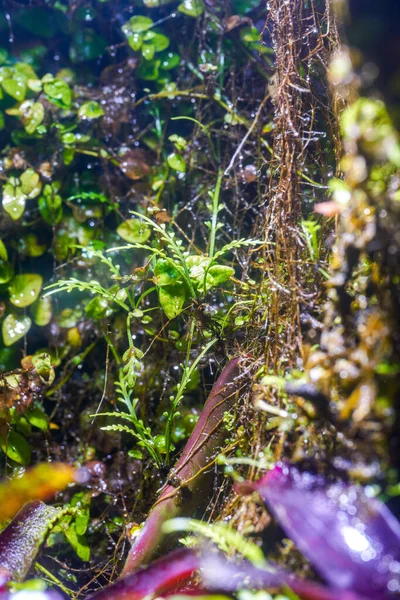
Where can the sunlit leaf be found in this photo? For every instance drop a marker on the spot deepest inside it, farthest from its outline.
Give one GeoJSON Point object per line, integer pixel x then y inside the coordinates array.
{"type": "Point", "coordinates": [177, 162]}
{"type": "Point", "coordinates": [134, 231]}
{"type": "Point", "coordinates": [37, 418]}
{"type": "Point", "coordinates": [78, 542]}
{"type": "Point", "coordinates": [31, 185]}
{"type": "Point", "coordinates": [158, 40]}
{"type": "Point", "coordinates": [32, 115]}
{"type": "Point", "coordinates": [25, 289]}
{"type": "Point", "coordinates": [172, 299]}
{"type": "Point", "coordinates": [15, 87]}
{"type": "Point", "coordinates": [16, 447]}
{"type": "Point", "coordinates": [148, 51]}
{"type": "Point", "coordinates": [138, 24]}
{"type": "Point", "coordinates": [14, 199]}
{"type": "Point", "coordinates": [165, 273]}
{"type": "Point", "coordinates": [14, 328]}
{"type": "Point", "coordinates": [58, 92]}
{"type": "Point", "coordinates": [42, 363]}
{"type": "Point", "coordinates": [219, 274]}
{"type": "Point", "coordinates": [90, 110]}
{"type": "Point", "coordinates": [41, 311]}
{"type": "Point", "coordinates": [38, 483]}
{"type": "Point", "coordinates": [192, 8]}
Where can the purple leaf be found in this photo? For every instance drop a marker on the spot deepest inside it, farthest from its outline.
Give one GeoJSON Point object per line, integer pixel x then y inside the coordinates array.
{"type": "Point", "coordinates": [191, 472]}
{"type": "Point", "coordinates": [20, 542]}
{"type": "Point", "coordinates": [352, 540]}
{"type": "Point", "coordinates": [222, 575]}
{"type": "Point", "coordinates": [31, 595]}
{"type": "Point", "coordinates": [163, 576]}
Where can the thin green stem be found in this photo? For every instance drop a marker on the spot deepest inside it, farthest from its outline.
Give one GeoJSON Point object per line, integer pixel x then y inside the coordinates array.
{"type": "Point", "coordinates": [214, 218]}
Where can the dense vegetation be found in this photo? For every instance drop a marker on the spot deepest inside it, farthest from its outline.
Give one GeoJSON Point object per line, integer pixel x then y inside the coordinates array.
{"type": "Point", "coordinates": [188, 186]}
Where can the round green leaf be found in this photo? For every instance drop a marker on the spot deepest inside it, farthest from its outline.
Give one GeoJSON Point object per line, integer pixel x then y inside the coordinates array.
{"type": "Point", "coordinates": [138, 24]}
{"type": "Point", "coordinates": [90, 110]}
{"type": "Point", "coordinates": [14, 328]}
{"type": "Point", "coordinates": [165, 273]}
{"type": "Point", "coordinates": [192, 8]}
{"type": "Point", "coordinates": [41, 311]}
{"type": "Point", "coordinates": [177, 162]}
{"type": "Point", "coordinates": [16, 448]}
{"type": "Point", "coordinates": [30, 183]}
{"type": "Point", "coordinates": [32, 114]}
{"type": "Point", "coordinates": [219, 274]}
{"type": "Point", "coordinates": [135, 40]}
{"type": "Point", "coordinates": [16, 88]}
{"type": "Point", "coordinates": [158, 40]}
{"type": "Point", "coordinates": [58, 92]}
{"type": "Point", "coordinates": [13, 199]}
{"type": "Point", "coordinates": [172, 299]}
{"type": "Point", "coordinates": [169, 60]}
{"type": "Point", "coordinates": [25, 289]}
{"type": "Point", "coordinates": [134, 231]}
{"type": "Point", "coordinates": [148, 51]}
{"type": "Point", "coordinates": [148, 70]}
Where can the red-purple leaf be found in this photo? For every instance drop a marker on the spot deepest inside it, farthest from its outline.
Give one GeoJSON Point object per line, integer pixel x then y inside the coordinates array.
{"type": "Point", "coordinates": [203, 445]}
{"type": "Point", "coordinates": [164, 575]}
{"type": "Point", "coordinates": [352, 540]}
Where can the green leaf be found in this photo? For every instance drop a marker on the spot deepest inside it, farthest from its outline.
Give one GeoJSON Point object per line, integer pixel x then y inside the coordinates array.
{"type": "Point", "coordinates": [165, 273]}
{"type": "Point", "coordinates": [138, 24]}
{"type": "Point", "coordinates": [41, 311]}
{"type": "Point", "coordinates": [58, 92]}
{"type": "Point", "coordinates": [86, 45]}
{"type": "Point", "coordinates": [6, 272]}
{"type": "Point", "coordinates": [14, 328]}
{"type": "Point", "coordinates": [3, 251]}
{"type": "Point", "coordinates": [29, 245]}
{"type": "Point", "coordinates": [30, 183]}
{"type": "Point", "coordinates": [172, 299]}
{"type": "Point", "coordinates": [242, 7]}
{"type": "Point", "coordinates": [178, 141]}
{"type": "Point", "coordinates": [158, 40]}
{"type": "Point", "coordinates": [135, 40]}
{"type": "Point", "coordinates": [50, 205]}
{"type": "Point", "coordinates": [16, 448]}
{"type": "Point", "coordinates": [176, 162]}
{"type": "Point", "coordinates": [13, 199]}
{"type": "Point", "coordinates": [148, 70]}
{"type": "Point", "coordinates": [42, 363]}
{"type": "Point", "coordinates": [32, 115]}
{"type": "Point", "coordinates": [37, 418]}
{"type": "Point", "coordinates": [16, 88]}
{"type": "Point", "coordinates": [134, 231]}
{"type": "Point", "coordinates": [169, 60]}
{"type": "Point", "coordinates": [90, 110]}
{"type": "Point", "coordinates": [192, 8]}
{"type": "Point", "coordinates": [148, 51]}
{"type": "Point", "coordinates": [219, 274]}
{"type": "Point", "coordinates": [97, 308]}
{"type": "Point", "coordinates": [25, 289]}
{"type": "Point", "coordinates": [78, 542]}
